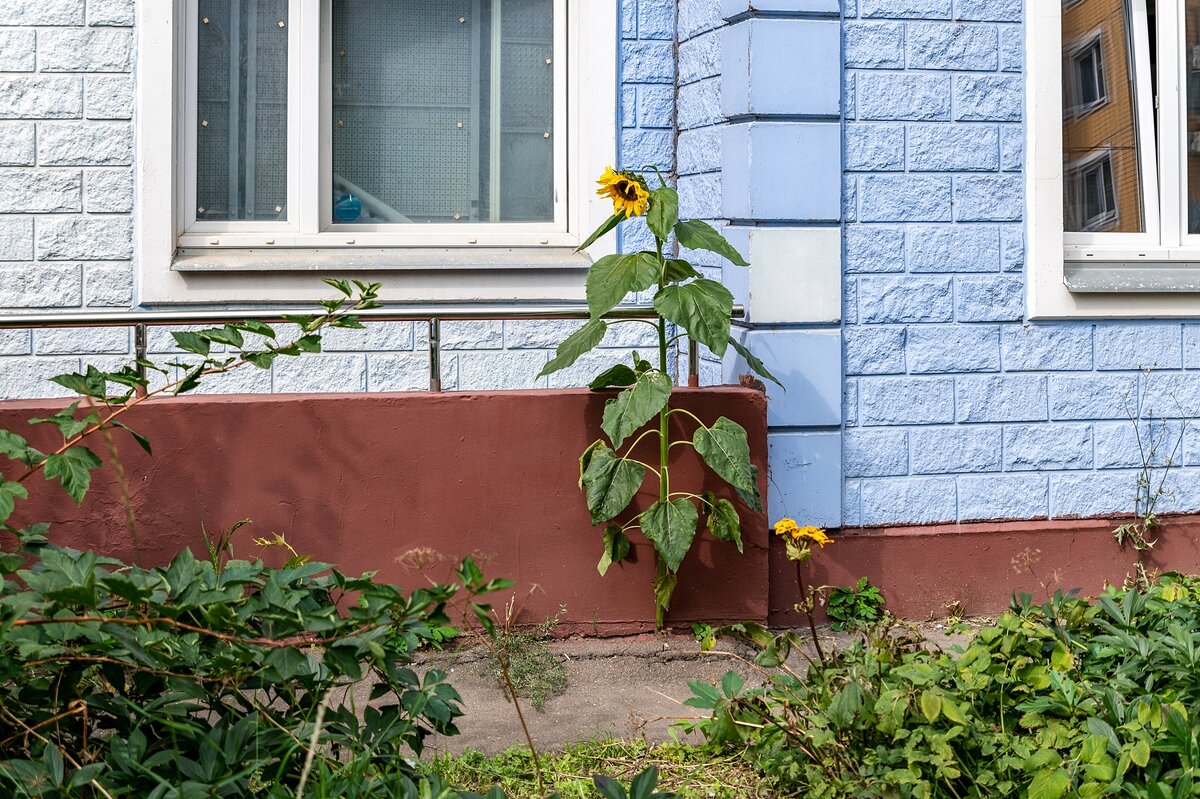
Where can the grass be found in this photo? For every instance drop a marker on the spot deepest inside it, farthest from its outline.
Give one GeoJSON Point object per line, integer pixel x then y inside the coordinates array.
{"type": "Point", "coordinates": [537, 674]}
{"type": "Point", "coordinates": [691, 772]}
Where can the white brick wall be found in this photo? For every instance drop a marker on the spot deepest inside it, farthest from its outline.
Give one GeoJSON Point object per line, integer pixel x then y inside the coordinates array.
{"type": "Point", "coordinates": [66, 197]}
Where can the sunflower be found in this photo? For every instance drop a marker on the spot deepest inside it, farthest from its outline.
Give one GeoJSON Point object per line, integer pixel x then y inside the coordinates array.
{"type": "Point", "coordinates": [627, 190]}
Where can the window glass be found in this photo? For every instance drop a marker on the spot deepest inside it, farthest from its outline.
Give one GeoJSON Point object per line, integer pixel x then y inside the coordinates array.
{"type": "Point", "coordinates": [1192, 67]}
{"type": "Point", "coordinates": [241, 110]}
{"type": "Point", "coordinates": [443, 111]}
{"type": "Point", "coordinates": [1100, 78]}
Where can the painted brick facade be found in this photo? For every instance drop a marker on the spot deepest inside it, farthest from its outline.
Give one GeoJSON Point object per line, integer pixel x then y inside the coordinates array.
{"type": "Point", "coordinates": [66, 199]}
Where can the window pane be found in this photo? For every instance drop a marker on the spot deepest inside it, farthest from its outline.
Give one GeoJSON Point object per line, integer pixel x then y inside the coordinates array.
{"type": "Point", "coordinates": [241, 87]}
{"type": "Point", "coordinates": [443, 110]}
{"type": "Point", "coordinates": [1099, 89]}
{"type": "Point", "coordinates": [1192, 65]}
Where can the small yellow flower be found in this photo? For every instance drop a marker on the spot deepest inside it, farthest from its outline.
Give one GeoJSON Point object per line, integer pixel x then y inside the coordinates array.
{"type": "Point", "coordinates": [800, 539]}
{"type": "Point", "coordinates": [786, 527]}
{"type": "Point", "coordinates": [815, 535]}
{"type": "Point", "coordinates": [627, 190]}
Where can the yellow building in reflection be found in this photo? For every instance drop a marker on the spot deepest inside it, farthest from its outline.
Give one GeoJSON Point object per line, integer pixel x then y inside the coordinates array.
{"type": "Point", "coordinates": [1103, 187]}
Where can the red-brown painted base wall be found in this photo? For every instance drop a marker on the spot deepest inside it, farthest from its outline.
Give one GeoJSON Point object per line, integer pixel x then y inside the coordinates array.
{"type": "Point", "coordinates": [361, 480]}
{"type": "Point", "coordinates": [976, 568]}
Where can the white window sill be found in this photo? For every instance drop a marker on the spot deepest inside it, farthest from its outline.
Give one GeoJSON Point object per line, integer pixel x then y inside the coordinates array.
{"type": "Point", "coordinates": [1131, 277]}
{"type": "Point", "coordinates": [358, 260]}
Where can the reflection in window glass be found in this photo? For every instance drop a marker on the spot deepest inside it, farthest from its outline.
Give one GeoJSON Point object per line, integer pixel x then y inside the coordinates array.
{"type": "Point", "coordinates": [1192, 66]}
{"type": "Point", "coordinates": [241, 110]}
{"type": "Point", "coordinates": [1102, 177]}
{"type": "Point", "coordinates": [443, 111]}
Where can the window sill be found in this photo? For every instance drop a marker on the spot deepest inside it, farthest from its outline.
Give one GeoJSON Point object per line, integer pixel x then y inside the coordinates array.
{"type": "Point", "coordinates": [1131, 277]}
{"type": "Point", "coordinates": [439, 259]}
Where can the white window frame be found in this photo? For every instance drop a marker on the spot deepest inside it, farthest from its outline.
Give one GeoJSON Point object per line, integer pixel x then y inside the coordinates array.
{"type": "Point", "coordinates": [181, 260]}
{"type": "Point", "coordinates": [1165, 246]}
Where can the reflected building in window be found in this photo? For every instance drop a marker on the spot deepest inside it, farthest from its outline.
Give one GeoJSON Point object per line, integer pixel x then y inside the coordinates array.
{"type": "Point", "coordinates": [1102, 177]}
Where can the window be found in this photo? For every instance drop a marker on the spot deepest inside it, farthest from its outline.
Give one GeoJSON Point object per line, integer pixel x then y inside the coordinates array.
{"type": "Point", "coordinates": [1091, 194]}
{"type": "Point", "coordinates": [431, 136]}
{"type": "Point", "coordinates": [1087, 77]}
{"type": "Point", "coordinates": [1113, 179]}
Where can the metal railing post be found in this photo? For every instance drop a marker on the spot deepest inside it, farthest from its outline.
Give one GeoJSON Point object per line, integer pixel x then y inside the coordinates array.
{"type": "Point", "coordinates": [139, 352]}
{"type": "Point", "coordinates": [435, 354]}
{"type": "Point", "coordinates": [693, 363]}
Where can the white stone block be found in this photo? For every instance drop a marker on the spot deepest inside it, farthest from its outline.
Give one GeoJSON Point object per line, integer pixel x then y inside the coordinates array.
{"type": "Point", "coordinates": [17, 144]}
{"type": "Point", "coordinates": [795, 273]}
{"type": "Point", "coordinates": [41, 97]}
{"type": "Point", "coordinates": [108, 96]}
{"type": "Point", "coordinates": [108, 285]}
{"type": "Point", "coordinates": [85, 239]}
{"type": "Point", "coordinates": [108, 191]}
{"type": "Point", "coordinates": [84, 50]}
{"type": "Point", "coordinates": [18, 51]}
{"type": "Point", "coordinates": [117, 13]}
{"type": "Point", "coordinates": [40, 286]}
{"type": "Point", "coordinates": [41, 12]}
{"type": "Point", "coordinates": [27, 378]}
{"type": "Point", "coordinates": [85, 143]}
{"type": "Point", "coordinates": [27, 191]}
{"type": "Point", "coordinates": [16, 238]}
{"type": "Point", "coordinates": [81, 341]}
{"type": "Point", "coordinates": [319, 373]}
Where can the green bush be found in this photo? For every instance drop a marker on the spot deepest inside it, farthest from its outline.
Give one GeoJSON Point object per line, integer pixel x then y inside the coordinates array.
{"type": "Point", "coordinates": [856, 607]}
{"type": "Point", "coordinates": [1062, 699]}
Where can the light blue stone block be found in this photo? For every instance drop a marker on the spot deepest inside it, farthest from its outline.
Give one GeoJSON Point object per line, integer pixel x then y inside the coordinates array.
{"type": "Point", "coordinates": [699, 104]}
{"type": "Point", "coordinates": [1130, 345]}
{"type": "Point", "coordinates": [1092, 493]}
{"type": "Point", "coordinates": [955, 450]}
{"type": "Point", "coordinates": [953, 148]}
{"type": "Point", "coordinates": [952, 45]}
{"type": "Point", "coordinates": [994, 298]}
{"type": "Point", "coordinates": [1093, 396]}
{"type": "Point", "coordinates": [1047, 447]}
{"type": "Point", "coordinates": [953, 248]}
{"type": "Point", "coordinates": [696, 17]}
{"type": "Point", "coordinates": [906, 9]}
{"type": "Point", "coordinates": [628, 109]}
{"type": "Point", "coordinates": [901, 96]}
{"type": "Point", "coordinates": [757, 53]}
{"type": "Point", "coordinates": [699, 195]}
{"type": "Point", "coordinates": [909, 500]}
{"type": "Point", "coordinates": [1118, 445]}
{"type": "Point", "coordinates": [1007, 398]}
{"type": "Point", "coordinates": [647, 62]}
{"type": "Point", "coordinates": [987, 497]}
{"type": "Point", "coordinates": [806, 478]}
{"type": "Point", "coordinates": [733, 8]}
{"type": "Point", "coordinates": [808, 363]}
{"type": "Point", "coordinates": [656, 107]}
{"type": "Point", "coordinates": [888, 401]}
{"type": "Point", "coordinates": [953, 349]}
{"type": "Point", "coordinates": [989, 198]}
{"type": "Point", "coordinates": [1042, 347]}
{"type": "Point", "coordinates": [905, 198]}
{"type": "Point", "coordinates": [1171, 396]}
{"type": "Point", "coordinates": [656, 19]}
{"type": "Point", "coordinates": [782, 171]}
{"type": "Point", "coordinates": [990, 10]}
{"type": "Point", "coordinates": [907, 299]}
{"type": "Point", "coordinates": [988, 98]}
{"type": "Point", "coordinates": [875, 452]}
{"type": "Point", "coordinates": [850, 404]}
{"type": "Point", "coordinates": [872, 350]}
{"type": "Point", "coordinates": [877, 249]}
{"type": "Point", "coordinates": [698, 151]}
{"type": "Point", "coordinates": [874, 45]}
{"type": "Point", "coordinates": [700, 57]}
{"type": "Point", "coordinates": [852, 504]}
{"type": "Point", "coordinates": [1012, 48]}
{"type": "Point", "coordinates": [874, 148]}
{"type": "Point", "coordinates": [1012, 248]}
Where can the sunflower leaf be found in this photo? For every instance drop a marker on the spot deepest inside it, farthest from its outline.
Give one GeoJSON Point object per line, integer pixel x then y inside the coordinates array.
{"type": "Point", "coordinates": [724, 524]}
{"type": "Point", "coordinates": [582, 341]}
{"type": "Point", "coordinates": [755, 364]}
{"type": "Point", "coordinates": [664, 212]}
{"type": "Point", "coordinates": [702, 308]}
{"type": "Point", "coordinates": [635, 406]}
{"type": "Point", "coordinates": [671, 526]}
{"type": "Point", "coordinates": [726, 449]}
{"type": "Point", "coordinates": [696, 235]}
{"type": "Point", "coordinates": [614, 276]}
{"type": "Point", "coordinates": [608, 225]}
{"type": "Point", "coordinates": [616, 548]}
{"type": "Point", "coordinates": [610, 483]}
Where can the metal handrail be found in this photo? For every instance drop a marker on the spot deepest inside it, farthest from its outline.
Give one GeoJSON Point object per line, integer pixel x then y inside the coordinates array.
{"type": "Point", "coordinates": [139, 320]}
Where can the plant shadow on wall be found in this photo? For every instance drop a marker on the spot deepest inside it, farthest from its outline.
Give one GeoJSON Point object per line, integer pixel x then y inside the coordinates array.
{"type": "Point", "coordinates": [693, 306]}
{"type": "Point", "coordinates": [211, 677]}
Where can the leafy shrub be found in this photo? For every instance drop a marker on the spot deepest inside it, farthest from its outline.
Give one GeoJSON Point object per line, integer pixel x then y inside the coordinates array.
{"type": "Point", "coordinates": [1061, 699]}
{"type": "Point", "coordinates": [856, 607]}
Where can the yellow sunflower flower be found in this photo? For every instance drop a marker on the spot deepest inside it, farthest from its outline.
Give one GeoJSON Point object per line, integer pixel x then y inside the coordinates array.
{"type": "Point", "coordinates": [627, 190]}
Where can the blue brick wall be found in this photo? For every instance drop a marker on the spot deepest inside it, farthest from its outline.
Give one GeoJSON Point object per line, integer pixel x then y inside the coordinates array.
{"type": "Point", "coordinates": [955, 407]}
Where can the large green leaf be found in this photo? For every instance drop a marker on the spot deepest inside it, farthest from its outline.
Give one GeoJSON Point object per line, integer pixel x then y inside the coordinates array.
{"type": "Point", "coordinates": [697, 235]}
{"type": "Point", "coordinates": [726, 450]}
{"type": "Point", "coordinates": [664, 212]}
{"type": "Point", "coordinates": [575, 345]}
{"type": "Point", "coordinates": [759, 368]}
{"type": "Point", "coordinates": [671, 526]}
{"type": "Point", "coordinates": [724, 524]}
{"type": "Point", "coordinates": [616, 548]}
{"type": "Point", "coordinates": [702, 308]}
{"type": "Point", "coordinates": [10, 492]}
{"type": "Point", "coordinates": [635, 406]}
{"type": "Point", "coordinates": [74, 469]}
{"type": "Point", "coordinates": [619, 375]}
{"type": "Point", "coordinates": [677, 270]}
{"type": "Point", "coordinates": [614, 276]}
{"type": "Point", "coordinates": [610, 483]}
{"type": "Point", "coordinates": [1049, 784]}
{"type": "Point", "coordinates": [607, 225]}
